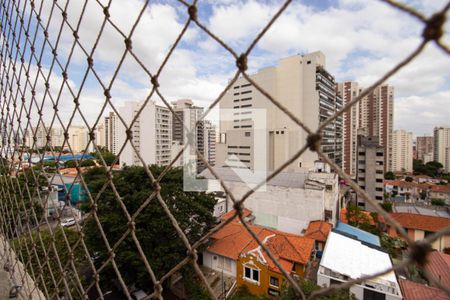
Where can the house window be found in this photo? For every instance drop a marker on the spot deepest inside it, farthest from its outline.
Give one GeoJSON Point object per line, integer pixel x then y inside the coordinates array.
{"type": "Point", "coordinates": [274, 281]}
{"type": "Point", "coordinates": [372, 295]}
{"type": "Point", "coordinates": [223, 263]}
{"type": "Point", "coordinates": [247, 133]}
{"type": "Point", "coordinates": [251, 274]}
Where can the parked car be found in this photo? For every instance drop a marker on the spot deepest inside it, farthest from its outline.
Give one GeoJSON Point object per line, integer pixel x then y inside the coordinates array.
{"type": "Point", "coordinates": [139, 295]}
{"type": "Point", "coordinates": [68, 222]}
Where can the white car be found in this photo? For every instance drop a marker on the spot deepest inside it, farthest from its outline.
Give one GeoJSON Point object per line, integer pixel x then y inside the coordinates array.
{"type": "Point", "coordinates": [68, 222]}
{"type": "Point", "coordinates": [138, 295]}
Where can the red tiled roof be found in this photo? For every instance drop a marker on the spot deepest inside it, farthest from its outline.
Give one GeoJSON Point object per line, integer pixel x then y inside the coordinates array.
{"type": "Point", "coordinates": [318, 230]}
{"type": "Point", "coordinates": [421, 222]}
{"type": "Point", "coordinates": [233, 239]}
{"type": "Point", "coordinates": [416, 291]}
{"type": "Point", "coordinates": [287, 248]}
{"type": "Point", "coordinates": [441, 188]}
{"type": "Point", "coordinates": [246, 212]}
{"type": "Point", "coordinates": [400, 183]}
{"type": "Point", "coordinates": [439, 266]}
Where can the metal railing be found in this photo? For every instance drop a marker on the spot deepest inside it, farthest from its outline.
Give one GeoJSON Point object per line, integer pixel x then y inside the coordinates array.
{"type": "Point", "coordinates": [30, 52]}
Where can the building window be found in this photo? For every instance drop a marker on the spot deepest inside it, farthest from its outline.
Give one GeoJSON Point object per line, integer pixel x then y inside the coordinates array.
{"type": "Point", "coordinates": [274, 281]}
{"type": "Point", "coordinates": [251, 274]}
{"type": "Point", "coordinates": [372, 295]}
{"type": "Point", "coordinates": [247, 133]}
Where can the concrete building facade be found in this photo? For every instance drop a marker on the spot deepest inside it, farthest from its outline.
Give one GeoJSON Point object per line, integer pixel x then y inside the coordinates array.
{"type": "Point", "coordinates": [348, 91]}
{"type": "Point", "coordinates": [370, 169]}
{"type": "Point", "coordinates": [376, 118]}
{"type": "Point", "coordinates": [112, 123]}
{"type": "Point", "coordinates": [424, 147]}
{"type": "Point", "coordinates": [151, 134]}
{"type": "Point", "coordinates": [302, 85]}
{"type": "Point", "coordinates": [189, 116]}
{"type": "Point", "coordinates": [442, 146]}
{"type": "Point", "coordinates": [402, 151]}
{"type": "Point", "coordinates": [79, 138]}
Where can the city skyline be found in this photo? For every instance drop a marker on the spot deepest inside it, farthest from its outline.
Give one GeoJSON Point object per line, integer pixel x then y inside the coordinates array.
{"type": "Point", "coordinates": [362, 53]}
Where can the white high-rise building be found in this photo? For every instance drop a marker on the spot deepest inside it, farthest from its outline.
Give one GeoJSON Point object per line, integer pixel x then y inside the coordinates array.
{"type": "Point", "coordinates": [442, 146]}
{"type": "Point", "coordinates": [302, 85]}
{"type": "Point", "coordinates": [57, 137]}
{"type": "Point", "coordinates": [402, 151]}
{"type": "Point", "coordinates": [112, 133]}
{"type": "Point", "coordinates": [151, 134]}
{"type": "Point", "coordinates": [100, 135]}
{"type": "Point", "coordinates": [209, 142]}
{"type": "Point", "coordinates": [79, 139]}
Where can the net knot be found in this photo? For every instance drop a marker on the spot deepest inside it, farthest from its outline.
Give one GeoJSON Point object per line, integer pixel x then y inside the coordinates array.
{"type": "Point", "coordinates": [241, 63]}
{"type": "Point", "coordinates": [313, 141]}
{"type": "Point", "coordinates": [433, 29]}
{"type": "Point", "coordinates": [419, 252]}
{"type": "Point", "coordinates": [192, 11]}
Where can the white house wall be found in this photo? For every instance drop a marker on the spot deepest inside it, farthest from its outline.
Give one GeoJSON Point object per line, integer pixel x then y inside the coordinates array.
{"type": "Point", "coordinates": [210, 262]}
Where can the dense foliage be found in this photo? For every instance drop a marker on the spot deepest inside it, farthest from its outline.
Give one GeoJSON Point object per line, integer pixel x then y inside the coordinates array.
{"type": "Point", "coordinates": [432, 168]}
{"type": "Point", "coordinates": [49, 280]}
{"type": "Point", "coordinates": [154, 230]}
{"type": "Point", "coordinates": [308, 287]}
{"type": "Point", "coordinates": [389, 176]}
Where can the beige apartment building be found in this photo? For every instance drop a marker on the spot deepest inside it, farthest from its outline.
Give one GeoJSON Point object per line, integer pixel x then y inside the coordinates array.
{"type": "Point", "coordinates": [376, 117]}
{"type": "Point", "coordinates": [442, 146]}
{"type": "Point", "coordinates": [112, 133]}
{"type": "Point", "coordinates": [424, 147]}
{"type": "Point", "coordinates": [300, 83]}
{"type": "Point", "coordinates": [151, 134]}
{"type": "Point", "coordinates": [348, 91]}
{"type": "Point", "coordinates": [402, 151]}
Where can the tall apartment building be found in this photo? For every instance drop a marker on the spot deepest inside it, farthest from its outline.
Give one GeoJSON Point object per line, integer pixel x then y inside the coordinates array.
{"type": "Point", "coordinates": [112, 123]}
{"type": "Point", "coordinates": [348, 91]}
{"type": "Point", "coordinates": [372, 116]}
{"type": "Point", "coordinates": [370, 169]}
{"type": "Point", "coordinates": [376, 117]}
{"type": "Point", "coordinates": [424, 146]}
{"type": "Point", "coordinates": [302, 85]}
{"type": "Point", "coordinates": [402, 151]}
{"type": "Point", "coordinates": [442, 146]}
{"type": "Point", "coordinates": [57, 137]}
{"type": "Point", "coordinates": [151, 134]}
{"type": "Point", "coordinates": [100, 135]}
{"type": "Point", "coordinates": [79, 139]}
{"type": "Point", "coordinates": [209, 142]}
{"type": "Point", "coordinates": [189, 116]}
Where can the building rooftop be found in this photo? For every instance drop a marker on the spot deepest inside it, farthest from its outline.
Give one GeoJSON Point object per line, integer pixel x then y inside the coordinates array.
{"type": "Point", "coordinates": [285, 179]}
{"type": "Point", "coordinates": [233, 240]}
{"type": "Point", "coordinates": [357, 233]}
{"type": "Point", "coordinates": [318, 230]}
{"type": "Point", "coordinates": [245, 212]}
{"type": "Point", "coordinates": [439, 266]}
{"type": "Point", "coordinates": [421, 210]}
{"type": "Point", "coordinates": [353, 258]}
{"type": "Point", "coordinates": [421, 222]}
{"type": "Point", "coordinates": [416, 291]}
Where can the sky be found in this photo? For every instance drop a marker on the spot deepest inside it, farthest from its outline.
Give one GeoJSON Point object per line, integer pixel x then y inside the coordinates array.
{"type": "Point", "coordinates": [360, 39]}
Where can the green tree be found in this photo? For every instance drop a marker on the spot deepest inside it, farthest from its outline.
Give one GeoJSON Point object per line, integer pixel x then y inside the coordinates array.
{"type": "Point", "coordinates": [387, 206]}
{"type": "Point", "coordinates": [87, 163]}
{"type": "Point", "coordinates": [389, 176]}
{"type": "Point", "coordinates": [108, 156]}
{"type": "Point", "coordinates": [158, 238]}
{"type": "Point", "coordinates": [438, 202]}
{"type": "Point", "coordinates": [361, 219]}
{"type": "Point", "coordinates": [71, 163]}
{"type": "Point", "coordinates": [308, 287]}
{"type": "Point", "coordinates": [42, 241]}
{"type": "Point", "coordinates": [393, 245]}
{"type": "Point", "coordinates": [409, 179]}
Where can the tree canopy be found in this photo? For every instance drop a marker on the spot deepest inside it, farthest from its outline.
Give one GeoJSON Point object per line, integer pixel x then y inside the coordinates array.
{"type": "Point", "coordinates": [154, 230]}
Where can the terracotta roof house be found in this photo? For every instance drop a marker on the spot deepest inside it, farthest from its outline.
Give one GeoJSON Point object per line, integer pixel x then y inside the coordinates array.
{"type": "Point", "coordinates": [318, 231]}
{"type": "Point", "coordinates": [234, 251]}
{"type": "Point", "coordinates": [419, 227]}
{"type": "Point", "coordinates": [416, 291]}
